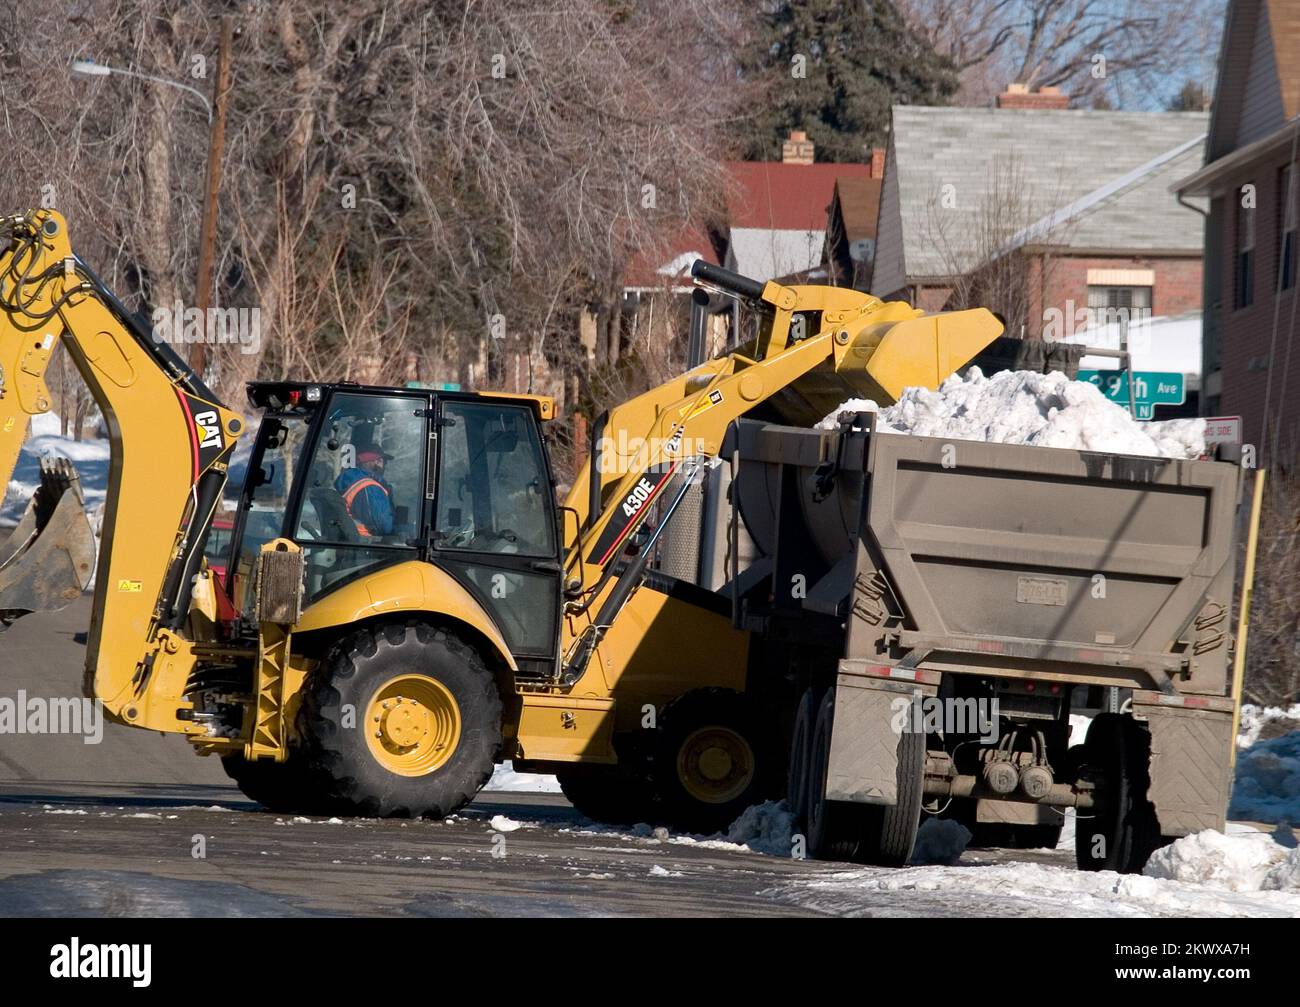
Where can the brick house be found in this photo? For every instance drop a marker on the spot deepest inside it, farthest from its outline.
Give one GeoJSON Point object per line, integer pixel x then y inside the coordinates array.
{"type": "Point", "coordinates": [1052, 216]}
{"type": "Point", "coordinates": [1250, 232]}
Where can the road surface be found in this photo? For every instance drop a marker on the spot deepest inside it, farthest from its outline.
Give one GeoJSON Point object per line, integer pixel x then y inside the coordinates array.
{"type": "Point", "coordinates": [139, 825]}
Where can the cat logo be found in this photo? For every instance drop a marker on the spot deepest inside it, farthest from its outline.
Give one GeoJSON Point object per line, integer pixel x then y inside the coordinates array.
{"type": "Point", "coordinates": [209, 429]}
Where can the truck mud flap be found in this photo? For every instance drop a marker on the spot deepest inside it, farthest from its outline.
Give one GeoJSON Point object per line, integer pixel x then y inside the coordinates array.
{"type": "Point", "coordinates": [1191, 746]}
{"type": "Point", "coordinates": [871, 710]}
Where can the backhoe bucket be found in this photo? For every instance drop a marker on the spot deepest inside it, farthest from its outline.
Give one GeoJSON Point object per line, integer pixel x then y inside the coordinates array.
{"type": "Point", "coordinates": [48, 560]}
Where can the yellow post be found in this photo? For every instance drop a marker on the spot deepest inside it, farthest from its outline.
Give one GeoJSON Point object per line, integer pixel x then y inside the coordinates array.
{"type": "Point", "coordinates": [1243, 617]}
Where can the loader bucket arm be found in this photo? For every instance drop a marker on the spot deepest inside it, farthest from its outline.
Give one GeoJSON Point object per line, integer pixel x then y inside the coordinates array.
{"type": "Point", "coordinates": [863, 348]}
{"type": "Point", "coordinates": [171, 443]}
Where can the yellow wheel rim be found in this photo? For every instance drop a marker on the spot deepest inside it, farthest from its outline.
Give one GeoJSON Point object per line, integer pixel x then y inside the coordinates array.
{"type": "Point", "coordinates": [412, 725]}
{"type": "Point", "coordinates": [715, 765]}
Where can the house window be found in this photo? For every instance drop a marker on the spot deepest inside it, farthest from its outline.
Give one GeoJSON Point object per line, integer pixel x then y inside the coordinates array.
{"type": "Point", "coordinates": [1286, 217]}
{"type": "Point", "coordinates": [1120, 306]}
{"type": "Point", "coordinates": [1244, 286]}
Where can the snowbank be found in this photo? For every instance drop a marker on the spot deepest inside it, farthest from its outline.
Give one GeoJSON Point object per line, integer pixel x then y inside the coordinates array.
{"type": "Point", "coordinates": [45, 441]}
{"type": "Point", "coordinates": [1266, 786]}
{"type": "Point", "coordinates": [1271, 720]}
{"type": "Point", "coordinates": [1023, 407]}
{"type": "Point", "coordinates": [940, 841]}
{"type": "Point", "coordinates": [1241, 863]}
{"type": "Point", "coordinates": [764, 828]}
{"type": "Point", "coordinates": [1030, 889]}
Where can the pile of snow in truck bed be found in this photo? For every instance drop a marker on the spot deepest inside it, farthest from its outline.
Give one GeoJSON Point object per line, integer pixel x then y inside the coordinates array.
{"type": "Point", "coordinates": [1024, 407]}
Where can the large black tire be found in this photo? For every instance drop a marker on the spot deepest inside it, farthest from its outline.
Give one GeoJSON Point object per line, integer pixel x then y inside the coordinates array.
{"type": "Point", "coordinates": [713, 760]}
{"type": "Point", "coordinates": [801, 736]}
{"type": "Point", "coordinates": [834, 827]}
{"type": "Point", "coordinates": [282, 787]}
{"type": "Point", "coordinates": [1121, 831]}
{"type": "Point", "coordinates": [362, 669]}
{"type": "Point", "coordinates": [890, 833]}
{"type": "Point", "coordinates": [610, 797]}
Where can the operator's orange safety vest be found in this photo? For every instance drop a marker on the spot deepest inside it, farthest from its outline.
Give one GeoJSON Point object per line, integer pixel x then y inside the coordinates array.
{"type": "Point", "coordinates": [351, 495]}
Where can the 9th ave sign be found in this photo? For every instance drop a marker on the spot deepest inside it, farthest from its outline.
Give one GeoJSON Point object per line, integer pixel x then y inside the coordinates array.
{"type": "Point", "coordinates": [1150, 389]}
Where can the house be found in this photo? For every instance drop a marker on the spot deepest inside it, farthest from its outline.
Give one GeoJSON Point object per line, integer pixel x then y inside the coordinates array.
{"type": "Point", "coordinates": [1249, 178]}
{"type": "Point", "coordinates": [777, 211]}
{"type": "Point", "coordinates": [794, 220]}
{"type": "Point", "coordinates": [1053, 217]}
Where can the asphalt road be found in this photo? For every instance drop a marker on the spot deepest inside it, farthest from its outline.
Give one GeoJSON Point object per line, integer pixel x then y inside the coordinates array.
{"type": "Point", "coordinates": [139, 825]}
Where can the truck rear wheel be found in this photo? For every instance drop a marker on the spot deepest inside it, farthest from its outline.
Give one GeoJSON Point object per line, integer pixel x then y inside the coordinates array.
{"type": "Point", "coordinates": [403, 720]}
{"type": "Point", "coordinates": [712, 760]}
{"type": "Point", "coordinates": [890, 833]}
{"type": "Point", "coordinates": [1122, 831]}
{"type": "Point", "coordinates": [805, 722]}
{"type": "Point", "coordinates": [834, 827]}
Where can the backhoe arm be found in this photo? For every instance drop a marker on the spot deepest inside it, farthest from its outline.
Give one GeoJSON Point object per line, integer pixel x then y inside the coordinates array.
{"type": "Point", "coordinates": [171, 443]}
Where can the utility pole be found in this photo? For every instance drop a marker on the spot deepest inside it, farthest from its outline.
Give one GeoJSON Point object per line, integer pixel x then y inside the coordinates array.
{"type": "Point", "coordinates": [208, 232]}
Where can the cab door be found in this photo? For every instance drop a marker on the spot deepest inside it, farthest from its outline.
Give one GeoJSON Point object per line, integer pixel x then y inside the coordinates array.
{"type": "Point", "coordinates": [495, 527]}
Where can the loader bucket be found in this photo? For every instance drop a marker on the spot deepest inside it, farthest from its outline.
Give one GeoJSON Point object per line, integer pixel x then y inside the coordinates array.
{"type": "Point", "coordinates": [49, 558]}
{"type": "Point", "coordinates": [884, 358]}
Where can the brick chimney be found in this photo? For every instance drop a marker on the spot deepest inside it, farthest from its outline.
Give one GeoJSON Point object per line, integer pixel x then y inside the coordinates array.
{"type": "Point", "coordinates": [798, 149]}
{"type": "Point", "coordinates": [877, 162]}
{"type": "Point", "coordinates": [1019, 96]}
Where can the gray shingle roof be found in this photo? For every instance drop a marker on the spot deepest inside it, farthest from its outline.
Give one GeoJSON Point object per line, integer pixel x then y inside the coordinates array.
{"type": "Point", "coordinates": [1049, 159]}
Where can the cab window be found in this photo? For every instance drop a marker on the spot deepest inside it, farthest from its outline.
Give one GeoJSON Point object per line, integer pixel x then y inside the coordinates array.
{"type": "Point", "coordinates": [493, 488]}
{"type": "Point", "coordinates": [363, 489]}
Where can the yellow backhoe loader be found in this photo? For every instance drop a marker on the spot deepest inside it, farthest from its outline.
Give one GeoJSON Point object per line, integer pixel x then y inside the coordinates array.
{"type": "Point", "coordinates": [410, 603]}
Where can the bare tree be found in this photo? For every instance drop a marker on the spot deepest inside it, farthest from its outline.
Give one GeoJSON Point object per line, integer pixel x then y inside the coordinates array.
{"type": "Point", "coordinates": [1273, 650]}
{"type": "Point", "coordinates": [411, 190]}
{"type": "Point", "coordinates": [1086, 47]}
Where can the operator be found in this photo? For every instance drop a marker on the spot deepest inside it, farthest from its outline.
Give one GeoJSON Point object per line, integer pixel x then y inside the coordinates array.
{"type": "Point", "coordinates": [368, 498]}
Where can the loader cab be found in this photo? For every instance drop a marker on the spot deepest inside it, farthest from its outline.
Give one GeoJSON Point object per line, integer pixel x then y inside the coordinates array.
{"type": "Point", "coordinates": [364, 478]}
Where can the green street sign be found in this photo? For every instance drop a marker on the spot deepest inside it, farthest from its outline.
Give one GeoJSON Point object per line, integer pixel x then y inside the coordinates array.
{"type": "Point", "coordinates": [1150, 389]}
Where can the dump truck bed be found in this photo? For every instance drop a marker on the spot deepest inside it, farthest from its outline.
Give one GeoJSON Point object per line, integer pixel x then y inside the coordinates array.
{"type": "Point", "coordinates": [998, 558]}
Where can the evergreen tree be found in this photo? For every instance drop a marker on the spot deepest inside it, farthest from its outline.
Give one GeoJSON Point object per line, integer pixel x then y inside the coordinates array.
{"type": "Point", "coordinates": [834, 68]}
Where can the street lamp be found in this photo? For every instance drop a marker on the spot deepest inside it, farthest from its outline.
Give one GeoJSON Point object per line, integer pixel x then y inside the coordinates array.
{"type": "Point", "coordinates": [89, 69]}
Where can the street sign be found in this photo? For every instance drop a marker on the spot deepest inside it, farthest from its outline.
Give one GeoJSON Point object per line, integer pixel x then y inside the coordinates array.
{"type": "Point", "coordinates": [1150, 389]}
{"type": "Point", "coordinates": [1223, 430]}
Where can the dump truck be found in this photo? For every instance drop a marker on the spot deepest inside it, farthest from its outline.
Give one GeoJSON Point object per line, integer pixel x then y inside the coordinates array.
{"type": "Point", "coordinates": [405, 603]}
{"type": "Point", "coordinates": [922, 613]}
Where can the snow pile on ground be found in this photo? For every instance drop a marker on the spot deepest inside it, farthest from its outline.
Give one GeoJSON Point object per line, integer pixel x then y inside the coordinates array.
{"type": "Point", "coordinates": [45, 441]}
{"type": "Point", "coordinates": [1266, 722]}
{"type": "Point", "coordinates": [1250, 862]}
{"type": "Point", "coordinates": [505, 777]}
{"type": "Point", "coordinates": [1266, 787]}
{"type": "Point", "coordinates": [940, 841]}
{"type": "Point", "coordinates": [764, 828]}
{"type": "Point", "coordinates": [1034, 889]}
{"type": "Point", "coordinates": [1024, 407]}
